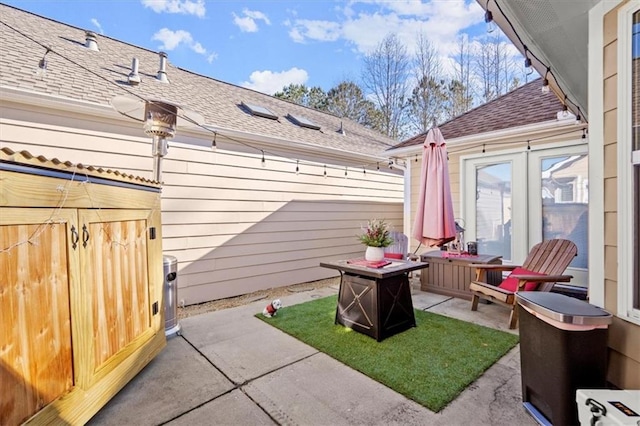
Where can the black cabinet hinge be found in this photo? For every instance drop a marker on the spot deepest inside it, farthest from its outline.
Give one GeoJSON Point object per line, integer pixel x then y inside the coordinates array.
{"type": "Point", "coordinates": [152, 233]}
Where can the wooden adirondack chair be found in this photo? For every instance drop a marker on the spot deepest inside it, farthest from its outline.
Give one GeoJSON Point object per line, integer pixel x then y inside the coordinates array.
{"type": "Point", "coordinates": [542, 268]}
{"type": "Point", "coordinates": [400, 247]}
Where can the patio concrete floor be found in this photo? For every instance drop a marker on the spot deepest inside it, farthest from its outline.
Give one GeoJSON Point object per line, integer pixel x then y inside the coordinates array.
{"type": "Point", "coordinates": [229, 368]}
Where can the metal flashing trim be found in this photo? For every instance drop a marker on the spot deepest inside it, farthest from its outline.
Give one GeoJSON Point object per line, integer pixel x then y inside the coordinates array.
{"type": "Point", "coordinates": [27, 160]}
{"type": "Point", "coordinates": [77, 177]}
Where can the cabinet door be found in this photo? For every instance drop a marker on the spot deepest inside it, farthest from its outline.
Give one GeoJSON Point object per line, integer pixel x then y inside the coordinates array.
{"type": "Point", "coordinates": [114, 264]}
{"type": "Point", "coordinates": [38, 271]}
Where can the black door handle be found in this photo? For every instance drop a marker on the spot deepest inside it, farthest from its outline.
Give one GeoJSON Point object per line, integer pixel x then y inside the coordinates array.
{"type": "Point", "coordinates": [85, 235]}
{"type": "Point", "coordinates": [74, 237]}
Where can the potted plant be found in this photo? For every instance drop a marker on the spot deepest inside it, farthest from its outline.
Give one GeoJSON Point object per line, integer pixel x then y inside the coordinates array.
{"type": "Point", "coordinates": [376, 237]}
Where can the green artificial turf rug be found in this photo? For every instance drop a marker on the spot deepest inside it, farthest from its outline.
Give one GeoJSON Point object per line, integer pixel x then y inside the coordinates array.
{"type": "Point", "coordinates": [431, 363]}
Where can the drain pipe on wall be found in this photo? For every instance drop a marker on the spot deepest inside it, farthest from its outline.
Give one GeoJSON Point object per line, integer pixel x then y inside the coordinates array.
{"type": "Point", "coordinates": [405, 166]}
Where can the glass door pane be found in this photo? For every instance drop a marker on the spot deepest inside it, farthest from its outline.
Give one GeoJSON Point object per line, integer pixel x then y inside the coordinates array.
{"type": "Point", "coordinates": [565, 202]}
{"type": "Point", "coordinates": [493, 209]}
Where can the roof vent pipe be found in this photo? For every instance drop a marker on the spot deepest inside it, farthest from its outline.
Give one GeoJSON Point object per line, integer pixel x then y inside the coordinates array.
{"type": "Point", "coordinates": [91, 41]}
{"type": "Point", "coordinates": [162, 72]}
{"type": "Point", "coordinates": [134, 77]}
{"type": "Point", "coordinates": [341, 130]}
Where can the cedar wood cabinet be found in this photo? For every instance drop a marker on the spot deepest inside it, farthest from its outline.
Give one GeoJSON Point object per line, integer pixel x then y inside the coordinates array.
{"type": "Point", "coordinates": [80, 287]}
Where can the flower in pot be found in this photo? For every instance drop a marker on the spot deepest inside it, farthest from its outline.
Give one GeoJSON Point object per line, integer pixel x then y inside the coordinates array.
{"type": "Point", "coordinates": [376, 237]}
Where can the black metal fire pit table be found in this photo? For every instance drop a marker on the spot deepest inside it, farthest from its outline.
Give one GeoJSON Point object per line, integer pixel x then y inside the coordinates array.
{"type": "Point", "coordinates": [375, 301]}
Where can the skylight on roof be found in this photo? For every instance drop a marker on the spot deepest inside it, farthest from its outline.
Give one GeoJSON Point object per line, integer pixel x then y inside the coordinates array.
{"type": "Point", "coordinates": [259, 111]}
{"type": "Point", "coordinates": [304, 122]}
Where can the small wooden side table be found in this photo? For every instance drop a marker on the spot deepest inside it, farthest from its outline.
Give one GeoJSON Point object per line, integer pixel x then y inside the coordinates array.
{"type": "Point", "coordinates": [450, 275]}
{"type": "Point", "coordinates": [375, 301]}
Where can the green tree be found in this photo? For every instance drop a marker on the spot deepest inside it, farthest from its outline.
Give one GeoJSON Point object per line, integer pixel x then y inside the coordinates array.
{"type": "Point", "coordinates": [458, 99]}
{"type": "Point", "coordinates": [427, 104]}
{"type": "Point", "coordinates": [300, 94]}
{"type": "Point", "coordinates": [347, 100]}
{"type": "Point", "coordinates": [385, 76]}
{"type": "Point", "coordinates": [461, 91]}
{"type": "Point", "coordinates": [494, 68]}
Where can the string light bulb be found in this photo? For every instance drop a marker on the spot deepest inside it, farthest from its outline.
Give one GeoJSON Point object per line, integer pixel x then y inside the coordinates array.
{"type": "Point", "coordinates": [545, 82]}
{"type": "Point", "coordinates": [364, 171]}
{"type": "Point", "coordinates": [264, 162]}
{"type": "Point", "coordinates": [545, 86]}
{"type": "Point", "coordinates": [325, 171]}
{"type": "Point", "coordinates": [557, 88]}
{"type": "Point", "coordinates": [584, 133]}
{"type": "Point", "coordinates": [345, 172]}
{"type": "Point", "coordinates": [41, 71]}
{"type": "Point", "coordinates": [488, 19]}
{"type": "Point", "coordinates": [214, 145]}
{"type": "Point", "coordinates": [528, 68]}
{"type": "Point", "coordinates": [565, 108]}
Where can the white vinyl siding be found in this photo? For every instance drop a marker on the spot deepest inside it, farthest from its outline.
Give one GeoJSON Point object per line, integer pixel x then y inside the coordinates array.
{"type": "Point", "coordinates": [234, 226]}
{"type": "Point", "coordinates": [237, 227]}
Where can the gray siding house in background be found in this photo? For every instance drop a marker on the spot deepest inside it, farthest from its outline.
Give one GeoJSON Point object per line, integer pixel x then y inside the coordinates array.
{"type": "Point", "coordinates": [234, 223]}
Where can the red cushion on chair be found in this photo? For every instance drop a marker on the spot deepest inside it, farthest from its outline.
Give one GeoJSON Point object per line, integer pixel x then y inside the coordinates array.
{"type": "Point", "coordinates": [393, 255]}
{"type": "Point", "coordinates": [510, 283]}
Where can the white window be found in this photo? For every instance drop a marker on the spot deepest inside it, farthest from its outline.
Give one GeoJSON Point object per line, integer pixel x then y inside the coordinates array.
{"type": "Point", "coordinates": [629, 162]}
{"type": "Point", "coordinates": [517, 198]}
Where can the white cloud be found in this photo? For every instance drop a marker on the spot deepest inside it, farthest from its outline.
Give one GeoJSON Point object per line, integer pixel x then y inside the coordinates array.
{"type": "Point", "coordinates": [173, 39]}
{"type": "Point", "coordinates": [96, 24]}
{"type": "Point", "coordinates": [304, 29]}
{"type": "Point", "coordinates": [270, 82]}
{"type": "Point", "coordinates": [255, 14]}
{"type": "Point", "coordinates": [400, 7]}
{"type": "Point", "coordinates": [364, 26]}
{"type": "Point", "coordinates": [186, 7]}
{"type": "Point", "coordinates": [247, 23]}
{"type": "Point", "coordinates": [197, 47]}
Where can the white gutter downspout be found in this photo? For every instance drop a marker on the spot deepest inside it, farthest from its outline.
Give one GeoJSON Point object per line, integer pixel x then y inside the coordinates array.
{"type": "Point", "coordinates": [406, 203]}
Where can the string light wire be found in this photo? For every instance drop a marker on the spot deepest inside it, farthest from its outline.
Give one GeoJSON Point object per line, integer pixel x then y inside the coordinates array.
{"type": "Point", "coordinates": [511, 142]}
{"type": "Point", "coordinates": [533, 55]}
{"type": "Point", "coordinates": [49, 49]}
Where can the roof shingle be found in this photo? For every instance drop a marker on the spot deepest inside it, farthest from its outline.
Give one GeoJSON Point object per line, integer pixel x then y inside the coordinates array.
{"type": "Point", "coordinates": [523, 105]}
{"type": "Point", "coordinates": [77, 72]}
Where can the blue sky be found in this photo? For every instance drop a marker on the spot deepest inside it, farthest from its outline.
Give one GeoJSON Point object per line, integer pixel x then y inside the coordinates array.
{"type": "Point", "coordinates": [265, 45]}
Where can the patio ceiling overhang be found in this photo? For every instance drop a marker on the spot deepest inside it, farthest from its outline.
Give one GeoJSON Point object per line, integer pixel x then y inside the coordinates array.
{"type": "Point", "coordinates": [556, 32]}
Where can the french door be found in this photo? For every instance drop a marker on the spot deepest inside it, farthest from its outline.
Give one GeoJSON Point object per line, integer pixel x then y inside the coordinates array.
{"type": "Point", "coordinates": [513, 200]}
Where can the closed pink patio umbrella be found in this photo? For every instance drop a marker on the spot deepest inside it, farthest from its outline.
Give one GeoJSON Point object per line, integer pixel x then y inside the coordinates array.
{"type": "Point", "coordinates": [434, 224]}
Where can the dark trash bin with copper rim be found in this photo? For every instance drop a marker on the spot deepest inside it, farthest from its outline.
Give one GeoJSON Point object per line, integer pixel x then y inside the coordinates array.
{"type": "Point", "coordinates": [563, 347]}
